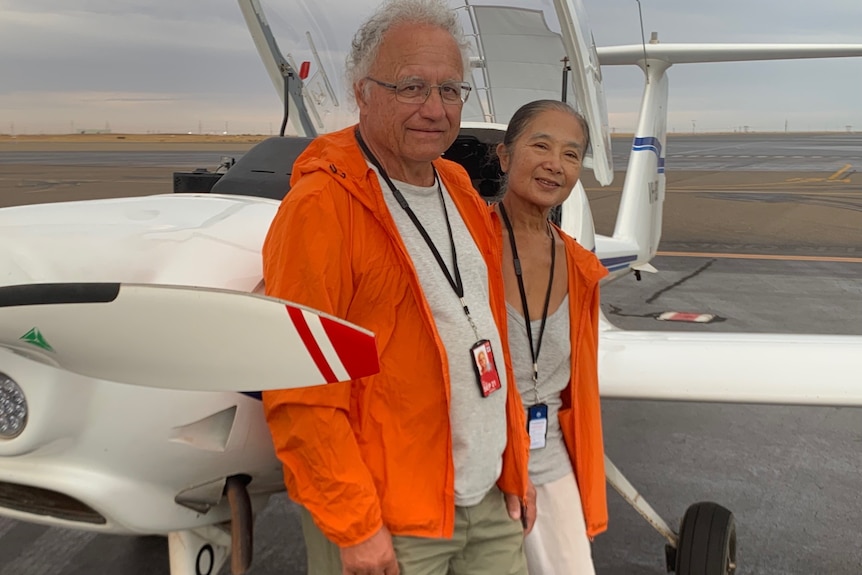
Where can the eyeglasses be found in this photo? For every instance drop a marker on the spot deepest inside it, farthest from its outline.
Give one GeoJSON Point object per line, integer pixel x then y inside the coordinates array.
{"type": "Point", "coordinates": [417, 91]}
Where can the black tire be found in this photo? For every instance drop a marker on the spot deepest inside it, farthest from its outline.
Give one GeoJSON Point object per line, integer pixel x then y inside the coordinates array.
{"type": "Point", "coordinates": [707, 541]}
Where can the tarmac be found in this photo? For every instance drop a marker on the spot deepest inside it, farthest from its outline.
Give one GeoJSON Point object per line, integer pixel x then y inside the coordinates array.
{"type": "Point", "coordinates": [766, 241]}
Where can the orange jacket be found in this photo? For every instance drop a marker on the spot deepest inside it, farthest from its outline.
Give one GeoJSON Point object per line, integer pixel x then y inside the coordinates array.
{"type": "Point", "coordinates": [377, 450]}
{"type": "Point", "coordinates": [580, 415]}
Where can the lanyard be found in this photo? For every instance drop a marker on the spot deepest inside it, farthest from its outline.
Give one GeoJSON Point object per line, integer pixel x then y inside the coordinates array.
{"type": "Point", "coordinates": [534, 352]}
{"type": "Point", "coordinates": [454, 279]}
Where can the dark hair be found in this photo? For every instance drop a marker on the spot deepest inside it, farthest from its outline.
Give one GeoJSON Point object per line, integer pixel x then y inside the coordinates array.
{"type": "Point", "coordinates": [526, 113]}
{"type": "Point", "coordinates": [521, 118]}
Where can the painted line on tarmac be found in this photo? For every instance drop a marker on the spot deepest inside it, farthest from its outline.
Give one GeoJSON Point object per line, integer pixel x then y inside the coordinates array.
{"type": "Point", "coordinates": [831, 259]}
{"type": "Point", "coordinates": [764, 189]}
{"type": "Point", "coordinates": [839, 173]}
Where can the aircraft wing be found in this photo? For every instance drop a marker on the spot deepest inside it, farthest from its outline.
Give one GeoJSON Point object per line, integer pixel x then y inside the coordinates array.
{"type": "Point", "coordinates": [188, 338]}
{"type": "Point", "coordinates": [731, 367]}
{"type": "Point", "coordinates": [700, 53]}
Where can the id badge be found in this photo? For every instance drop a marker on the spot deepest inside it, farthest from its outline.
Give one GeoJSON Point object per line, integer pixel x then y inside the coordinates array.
{"type": "Point", "coordinates": [486, 368]}
{"type": "Point", "coordinates": [537, 425]}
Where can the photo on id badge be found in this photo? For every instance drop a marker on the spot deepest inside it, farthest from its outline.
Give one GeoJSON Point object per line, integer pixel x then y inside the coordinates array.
{"type": "Point", "coordinates": [486, 367]}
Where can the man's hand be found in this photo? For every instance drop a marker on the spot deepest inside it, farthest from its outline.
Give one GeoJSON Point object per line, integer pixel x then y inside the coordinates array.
{"type": "Point", "coordinates": [374, 556]}
{"type": "Point", "coordinates": [526, 513]}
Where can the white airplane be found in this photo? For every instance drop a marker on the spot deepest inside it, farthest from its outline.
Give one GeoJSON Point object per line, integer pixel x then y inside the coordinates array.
{"type": "Point", "coordinates": [133, 332]}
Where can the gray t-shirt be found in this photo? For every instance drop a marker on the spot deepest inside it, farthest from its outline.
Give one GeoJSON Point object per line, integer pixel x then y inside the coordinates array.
{"type": "Point", "coordinates": [478, 423]}
{"type": "Point", "coordinates": [551, 462]}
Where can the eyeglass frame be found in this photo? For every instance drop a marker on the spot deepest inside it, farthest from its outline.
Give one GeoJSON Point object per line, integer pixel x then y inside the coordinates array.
{"type": "Point", "coordinates": [465, 87]}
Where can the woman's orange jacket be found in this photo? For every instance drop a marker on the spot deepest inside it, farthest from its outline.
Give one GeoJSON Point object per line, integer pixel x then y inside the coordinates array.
{"type": "Point", "coordinates": [581, 415]}
{"type": "Point", "coordinates": [377, 450]}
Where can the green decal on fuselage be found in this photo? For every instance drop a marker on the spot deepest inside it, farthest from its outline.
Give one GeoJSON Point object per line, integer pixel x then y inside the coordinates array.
{"type": "Point", "coordinates": [35, 337]}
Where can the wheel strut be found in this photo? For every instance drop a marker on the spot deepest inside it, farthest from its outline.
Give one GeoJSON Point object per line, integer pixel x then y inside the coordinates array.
{"type": "Point", "coordinates": [241, 524]}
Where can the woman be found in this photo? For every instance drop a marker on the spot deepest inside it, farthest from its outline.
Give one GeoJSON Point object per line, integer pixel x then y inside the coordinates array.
{"type": "Point", "coordinates": [553, 281]}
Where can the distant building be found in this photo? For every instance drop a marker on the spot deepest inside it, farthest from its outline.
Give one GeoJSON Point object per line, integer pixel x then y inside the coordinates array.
{"type": "Point", "coordinates": [93, 131]}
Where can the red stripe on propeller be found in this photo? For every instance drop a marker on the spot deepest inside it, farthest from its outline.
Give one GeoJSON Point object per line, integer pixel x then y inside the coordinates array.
{"type": "Point", "coordinates": [311, 344]}
{"type": "Point", "coordinates": [356, 350]}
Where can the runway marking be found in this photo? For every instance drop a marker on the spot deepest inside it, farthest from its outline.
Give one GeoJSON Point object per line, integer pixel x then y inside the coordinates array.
{"type": "Point", "coordinates": [839, 173]}
{"type": "Point", "coordinates": [815, 180]}
{"type": "Point", "coordinates": [842, 176]}
{"type": "Point", "coordinates": [742, 189]}
{"type": "Point", "coordinates": [761, 188]}
{"type": "Point", "coordinates": [691, 317]}
{"type": "Point", "coordinates": [777, 257]}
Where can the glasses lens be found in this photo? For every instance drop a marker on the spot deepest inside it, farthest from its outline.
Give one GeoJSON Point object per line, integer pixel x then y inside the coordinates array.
{"type": "Point", "coordinates": [416, 91]}
{"type": "Point", "coordinates": [452, 92]}
{"type": "Point", "coordinates": [412, 91]}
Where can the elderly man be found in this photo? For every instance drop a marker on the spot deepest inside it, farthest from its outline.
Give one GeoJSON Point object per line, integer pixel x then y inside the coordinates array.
{"type": "Point", "coordinates": [403, 472]}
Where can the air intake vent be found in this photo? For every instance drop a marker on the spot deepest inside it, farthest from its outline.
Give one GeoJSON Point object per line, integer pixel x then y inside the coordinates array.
{"type": "Point", "coordinates": [49, 503]}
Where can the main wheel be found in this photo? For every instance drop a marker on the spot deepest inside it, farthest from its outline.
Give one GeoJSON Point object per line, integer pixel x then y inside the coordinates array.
{"type": "Point", "coordinates": [707, 541]}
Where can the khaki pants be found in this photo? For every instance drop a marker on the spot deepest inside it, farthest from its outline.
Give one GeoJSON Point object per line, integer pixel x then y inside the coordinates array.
{"type": "Point", "coordinates": [486, 541]}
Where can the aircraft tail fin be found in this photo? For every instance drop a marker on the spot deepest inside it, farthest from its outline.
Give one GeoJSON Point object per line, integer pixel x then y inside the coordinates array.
{"type": "Point", "coordinates": [639, 220]}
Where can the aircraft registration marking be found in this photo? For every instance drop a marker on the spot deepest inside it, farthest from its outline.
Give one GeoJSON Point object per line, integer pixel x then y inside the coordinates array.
{"type": "Point", "coordinates": [653, 191]}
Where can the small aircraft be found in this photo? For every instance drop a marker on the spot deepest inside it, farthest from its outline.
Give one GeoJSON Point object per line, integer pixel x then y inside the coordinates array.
{"type": "Point", "coordinates": [135, 338]}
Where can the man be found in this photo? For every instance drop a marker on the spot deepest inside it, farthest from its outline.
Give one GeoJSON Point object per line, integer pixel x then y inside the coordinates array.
{"type": "Point", "coordinates": [402, 471]}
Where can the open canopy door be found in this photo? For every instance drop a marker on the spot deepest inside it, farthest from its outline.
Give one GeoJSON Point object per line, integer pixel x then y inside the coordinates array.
{"type": "Point", "coordinates": [522, 54]}
{"type": "Point", "coordinates": [517, 54]}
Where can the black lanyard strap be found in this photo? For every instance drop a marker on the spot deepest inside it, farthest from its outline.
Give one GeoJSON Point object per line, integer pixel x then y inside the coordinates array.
{"type": "Point", "coordinates": [534, 352]}
{"type": "Point", "coordinates": [454, 279]}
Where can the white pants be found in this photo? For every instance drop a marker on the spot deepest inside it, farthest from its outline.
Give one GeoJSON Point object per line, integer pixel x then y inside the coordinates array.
{"type": "Point", "coordinates": [558, 543]}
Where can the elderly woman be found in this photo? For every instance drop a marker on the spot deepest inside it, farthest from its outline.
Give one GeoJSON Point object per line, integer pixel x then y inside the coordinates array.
{"type": "Point", "coordinates": [552, 295]}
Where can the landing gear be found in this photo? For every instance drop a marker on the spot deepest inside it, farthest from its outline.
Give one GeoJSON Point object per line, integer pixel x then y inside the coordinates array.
{"type": "Point", "coordinates": [241, 524]}
{"type": "Point", "coordinates": [203, 551]}
{"type": "Point", "coordinates": [200, 551]}
{"type": "Point", "coordinates": [707, 541]}
{"type": "Point", "coordinates": [706, 544]}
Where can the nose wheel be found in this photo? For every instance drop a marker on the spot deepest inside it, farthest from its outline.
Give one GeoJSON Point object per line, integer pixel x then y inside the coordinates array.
{"type": "Point", "coordinates": [707, 541]}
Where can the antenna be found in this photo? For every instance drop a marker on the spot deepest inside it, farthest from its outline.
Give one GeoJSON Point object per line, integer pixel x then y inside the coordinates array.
{"type": "Point", "coordinates": [287, 74]}
{"type": "Point", "coordinates": [643, 38]}
{"type": "Point", "coordinates": [566, 69]}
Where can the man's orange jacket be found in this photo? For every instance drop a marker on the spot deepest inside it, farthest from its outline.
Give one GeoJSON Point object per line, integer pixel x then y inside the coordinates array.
{"type": "Point", "coordinates": [377, 450]}
{"type": "Point", "coordinates": [581, 414]}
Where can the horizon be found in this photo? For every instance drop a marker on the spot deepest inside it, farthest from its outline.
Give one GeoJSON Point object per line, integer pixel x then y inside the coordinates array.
{"type": "Point", "coordinates": [120, 136]}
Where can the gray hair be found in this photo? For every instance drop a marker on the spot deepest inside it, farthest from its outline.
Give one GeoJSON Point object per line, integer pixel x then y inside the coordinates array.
{"type": "Point", "coordinates": [366, 42]}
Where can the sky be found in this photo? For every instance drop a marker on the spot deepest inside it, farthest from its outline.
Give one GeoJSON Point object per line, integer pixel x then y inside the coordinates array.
{"type": "Point", "coordinates": [190, 65]}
